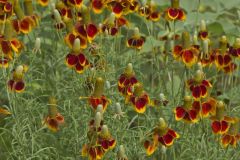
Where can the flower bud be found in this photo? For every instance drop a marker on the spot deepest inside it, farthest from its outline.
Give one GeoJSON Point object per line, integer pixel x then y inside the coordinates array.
{"type": "Point", "coordinates": [100, 109]}
{"type": "Point", "coordinates": [111, 19]}
{"type": "Point", "coordinates": [57, 16]}
{"type": "Point", "coordinates": [163, 149]}
{"type": "Point", "coordinates": [97, 119]}
{"type": "Point", "coordinates": [37, 45]}
{"type": "Point", "coordinates": [118, 108]}
{"type": "Point", "coordinates": [76, 45]}
{"type": "Point", "coordinates": [121, 153]}
{"type": "Point", "coordinates": [108, 85]}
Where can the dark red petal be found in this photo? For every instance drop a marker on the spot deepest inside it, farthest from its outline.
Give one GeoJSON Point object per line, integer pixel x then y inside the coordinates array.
{"type": "Point", "coordinates": [216, 126]}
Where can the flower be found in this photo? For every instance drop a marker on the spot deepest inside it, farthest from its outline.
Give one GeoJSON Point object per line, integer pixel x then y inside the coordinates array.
{"type": "Point", "coordinates": [97, 97]}
{"type": "Point", "coordinates": [136, 40]}
{"type": "Point", "coordinates": [118, 111]}
{"type": "Point", "coordinates": [76, 59]}
{"type": "Point", "coordinates": [206, 107]}
{"type": "Point", "coordinates": [203, 33]}
{"type": "Point", "coordinates": [220, 122]}
{"type": "Point", "coordinates": [198, 85]}
{"type": "Point", "coordinates": [139, 99]}
{"type": "Point", "coordinates": [54, 118]}
{"type": "Point", "coordinates": [175, 12]}
{"type": "Point", "coordinates": [186, 52]}
{"type": "Point", "coordinates": [186, 112]}
{"type": "Point", "coordinates": [17, 84]}
{"type": "Point", "coordinates": [232, 136]}
{"type": "Point", "coordinates": [126, 81]}
{"type": "Point", "coordinates": [161, 134]}
{"type": "Point", "coordinates": [149, 11]}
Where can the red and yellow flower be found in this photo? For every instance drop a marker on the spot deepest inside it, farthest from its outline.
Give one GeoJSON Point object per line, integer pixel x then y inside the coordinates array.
{"type": "Point", "coordinates": [220, 122]}
{"type": "Point", "coordinates": [149, 10]}
{"type": "Point", "coordinates": [16, 84]}
{"type": "Point", "coordinates": [43, 3]}
{"type": "Point", "coordinates": [186, 52]}
{"type": "Point", "coordinates": [136, 40]}
{"type": "Point", "coordinates": [206, 107]}
{"type": "Point", "coordinates": [139, 99]}
{"type": "Point", "coordinates": [186, 112]}
{"type": "Point", "coordinates": [161, 134]}
{"type": "Point", "coordinates": [199, 86]}
{"type": "Point", "coordinates": [203, 33]}
{"type": "Point", "coordinates": [97, 97]}
{"type": "Point", "coordinates": [175, 12]}
{"type": "Point", "coordinates": [76, 59]}
{"type": "Point", "coordinates": [126, 81]}
{"type": "Point", "coordinates": [54, 118]}
{"type": "Point", "coordinates": [233, 135]}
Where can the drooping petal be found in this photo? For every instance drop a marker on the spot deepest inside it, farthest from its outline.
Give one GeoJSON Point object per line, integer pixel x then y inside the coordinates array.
{"type": "Point", "coordinates": [179, 113]}
{"type": "Point", "coordinates": [216, 127]}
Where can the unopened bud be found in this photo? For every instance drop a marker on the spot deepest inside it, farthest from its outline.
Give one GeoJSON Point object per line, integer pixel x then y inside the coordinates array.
{"type": "Point", "coordinates": [97, 120]}
{"type": "Point", "coordinates": [111, 19]}
{"type": "Point", "coordinates": [108, 84]}
{"type": "Point", "coordinates": [57, 16]}
{"type": "Point", "coordinates": [118, 108]}
{"type": "Point", "coordinates": [100, 109]}
{"type": "Point", "coordinates": [121, 153]}
{"type": "Point", "coordinates": [163, 149]}
{"type": "Point", "coordinates": [37, 45]}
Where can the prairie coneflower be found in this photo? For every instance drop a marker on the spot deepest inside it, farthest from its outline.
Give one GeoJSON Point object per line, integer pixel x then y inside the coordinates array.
{"type": "Point", "coordinates": [198, 85]}
{"type": "Point", "coordinates": [126, 81]}
{"type": "Point", "coordinates": [175, 12]}
{"type": "Point", "coordinates": [161, 134]}
{"type": "Point", "coordinates": [205, 107]}
{"type": "Point", "coordinates": [203, 33]}
{"type": "Point", "coordinates": [220, 122]}
{"type": "Point", "coordinates": [76, 59]}
{"type": "Point", "coordinates": [233, 135]}
{"type": "Point", "coordinates": [139, 99]}
{"type": "Point", "coordinates": [136, 40]}
{"type": "Point", "coordinates": [98, 97]}
{"type": "Point", "coordinates": [17, 84]}
{"type": "Point", "coordinates": [149, 11]}
{"type": "Point", "coordinates": [186, 112]}
{"type": "Point", "coordinates": [54, 118]}
{"type": "Point", "coordinates": [186, 52]}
